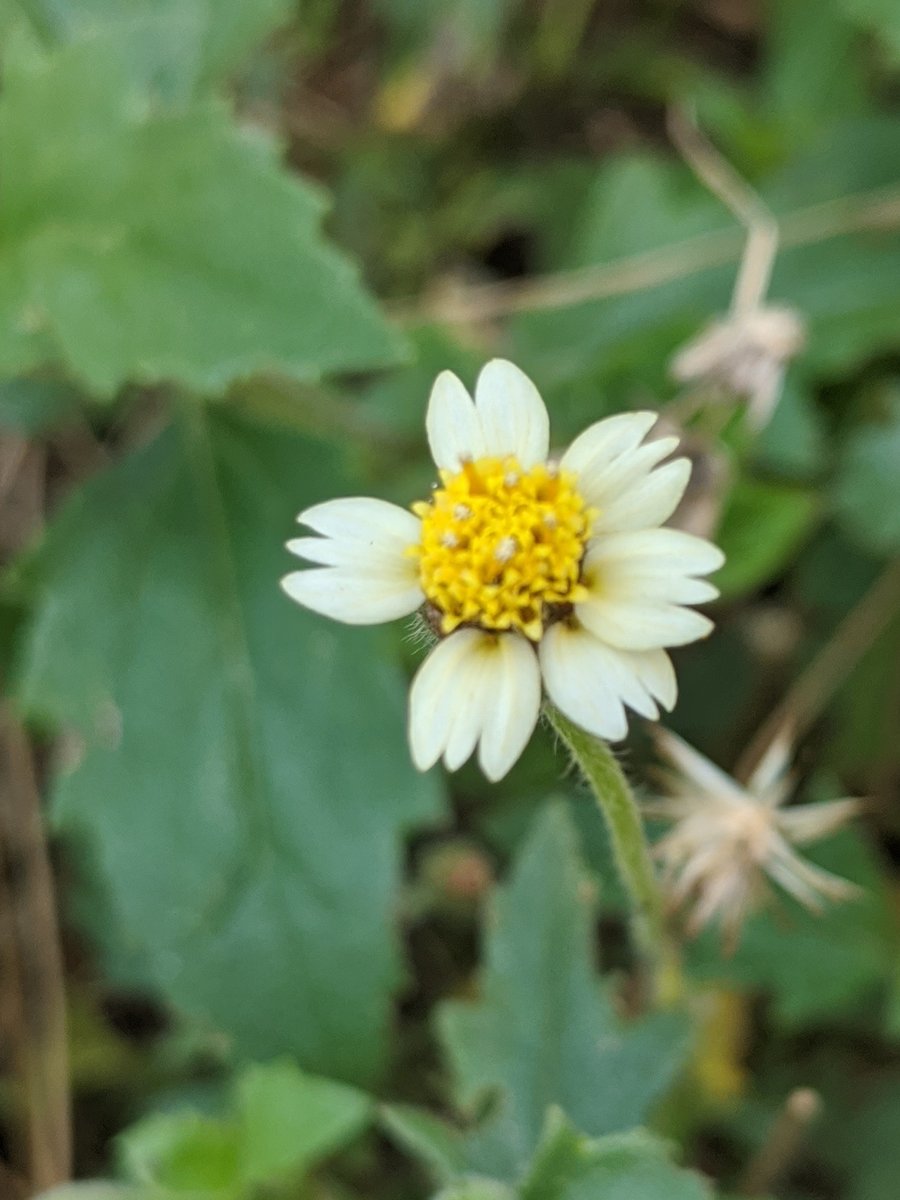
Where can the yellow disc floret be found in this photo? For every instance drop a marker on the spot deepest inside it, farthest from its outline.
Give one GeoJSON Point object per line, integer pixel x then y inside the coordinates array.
{"type": "Point", "coordinates": [499, 545]}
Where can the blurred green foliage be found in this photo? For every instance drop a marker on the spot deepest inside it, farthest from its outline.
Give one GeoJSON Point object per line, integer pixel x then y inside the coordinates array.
{"type": "Point", "coordinates": [200, 202]}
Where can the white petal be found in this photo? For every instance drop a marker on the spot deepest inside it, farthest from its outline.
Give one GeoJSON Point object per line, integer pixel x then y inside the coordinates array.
{"type": "Point", "coordinates": [641, 580]}
{"type": "Point", "coordinates": [575, 671]}
{"type": "Point", "coordinates": [655, 671]}
{"type": "Point", "coordinates": [603, 485]}
{"type": "Point", "coordinates": [637, 678]}
{"type": "Point", "coordinates": [352, 596]}
{"type": "Point", "coordinates": [452, 424]}
{"type": "Point", "coordinates": [334, 552]}
{"type": "Point", "coordinates": [471, 690]}
{"type": "Point", "coordinates": [636, 583]}
{"type": "Point", "coordinates": [433, 697]}
{"type": "Point", "coordinates": [475, 686]}
{"type": "Point", "coordinates": [514, 705]}
{"type": "Point", "coordinates": [366, 541]}
{"type": "Point", "coordinates": [606, 440]}
{"type": "Point", "coordinates": [513, 416]}
{"type": "Point", "coordinates": [647, 502]}
{"type": "Point", "coordinates": [661, 549]}
{"type": "Point", "coordinates": [362, 519]}
{"type": "Point", "coordinates": [642, 626]}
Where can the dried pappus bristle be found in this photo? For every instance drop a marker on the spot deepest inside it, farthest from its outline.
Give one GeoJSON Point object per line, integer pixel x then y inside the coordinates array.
{"type": "Point", "coordinates": [745, 353]}
{"type": "Point", "coordinates": [728, 842]}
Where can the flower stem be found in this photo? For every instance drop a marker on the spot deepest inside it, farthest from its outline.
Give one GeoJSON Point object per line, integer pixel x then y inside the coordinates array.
{"type": "Point", "coordinates": [623, 819]}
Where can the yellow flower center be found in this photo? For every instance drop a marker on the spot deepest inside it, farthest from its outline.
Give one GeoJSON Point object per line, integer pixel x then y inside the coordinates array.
{"type": "Point", "coordinates": [499, 545]}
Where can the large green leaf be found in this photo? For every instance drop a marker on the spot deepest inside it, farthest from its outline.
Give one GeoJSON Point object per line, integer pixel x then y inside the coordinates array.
{"type": "Point", "coordinates": [544, 1032]}
{"type": "Point", "coordinates": [243, 778]}
{"type": "Point", "coordinates": [762, 526]}
{"type": "Point", "coordinates": [178, 47]}
{"type": "Point", "coordinates": [867, 492]}
{"type": "Point", "coordinates": [154, 245]}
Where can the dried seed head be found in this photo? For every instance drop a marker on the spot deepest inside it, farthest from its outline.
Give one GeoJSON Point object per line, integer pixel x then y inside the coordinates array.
{"type": "Point", "coordinates": [745, 353]}
{"type": "Point", "coordinates": [728, 842]}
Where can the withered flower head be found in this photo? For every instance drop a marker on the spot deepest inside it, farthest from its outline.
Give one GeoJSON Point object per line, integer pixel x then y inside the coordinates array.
{"type": "Point", "coordinates": [745, 353]}
{"type": "Point", "coordinates": [729, 842]}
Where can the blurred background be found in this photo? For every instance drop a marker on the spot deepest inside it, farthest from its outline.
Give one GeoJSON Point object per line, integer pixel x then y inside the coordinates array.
{"type": "Point", "coordinates": [245, 950]}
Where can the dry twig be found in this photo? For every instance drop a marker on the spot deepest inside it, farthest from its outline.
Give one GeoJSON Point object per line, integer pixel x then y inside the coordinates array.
{"type": "Point", "coordinates": [815, 686]}
{"type": "Point", "coordinates": [32, 1001]}
{"type": "Point", "coordinates": [717, 173]}
{"type": "Point", "coordinates": [790, 1127]}
{"type": "Point", "coordinates": [877, 209]}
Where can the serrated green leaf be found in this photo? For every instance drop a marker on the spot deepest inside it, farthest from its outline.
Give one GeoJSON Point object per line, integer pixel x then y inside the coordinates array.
{"type": "Point", "coordinates": [628, 1166]}
{"type": "Point", "coordinates": [243, 759]}
{"type": "Point", "coordinates": [762, 526]}
{"type": "Point", "coordinates": [632, 1167]}
{"type": "Point", "coordinates": [562, 1155]}
{"type": "Point", "coordinates": [567, 1165]}
{"type": "Point", "coordinates": [544, 1033]}
{"type": "Point", "coordinates": [153, 246]}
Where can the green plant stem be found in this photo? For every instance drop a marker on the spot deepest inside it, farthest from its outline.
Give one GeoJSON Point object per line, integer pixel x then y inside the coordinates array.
{"type": "Point", "coordinates": [623, 819]}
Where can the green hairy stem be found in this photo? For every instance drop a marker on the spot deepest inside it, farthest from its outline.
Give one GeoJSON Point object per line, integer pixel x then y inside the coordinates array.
{"type": "Point", "coordinates": [623, 818]}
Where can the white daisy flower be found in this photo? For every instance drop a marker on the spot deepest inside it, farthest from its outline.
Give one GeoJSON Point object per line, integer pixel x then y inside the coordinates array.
{"type": "Point", "coordinates": [535, 574]}
{"type": "Point", "coordinates": [728, 840]}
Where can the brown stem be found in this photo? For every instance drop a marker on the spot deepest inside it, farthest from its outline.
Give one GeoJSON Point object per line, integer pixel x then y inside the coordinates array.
{"type": "Point", "coordinates": [32, 1001]}
{"type": "Point", "coordinates": [815, 686]}
{"type": "Point", "coordinates": [801, 1108]}
{"type": "Point", "coordinates": [716, 173]}
{"type": "Point", "coordinates": [878, 209]}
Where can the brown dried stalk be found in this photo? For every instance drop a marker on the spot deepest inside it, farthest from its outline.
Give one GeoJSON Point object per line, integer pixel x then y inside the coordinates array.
{"type": "Point", "coordinates": [815, 686]}
{"type": "Point", "coordinates": [876, 209]}
{"type": "Point", "coordinates": [775, 1157]}
{"type": "Point", "coordinates": [32, 999]}
{"type": "Point", "coordinates": [717, 174]}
